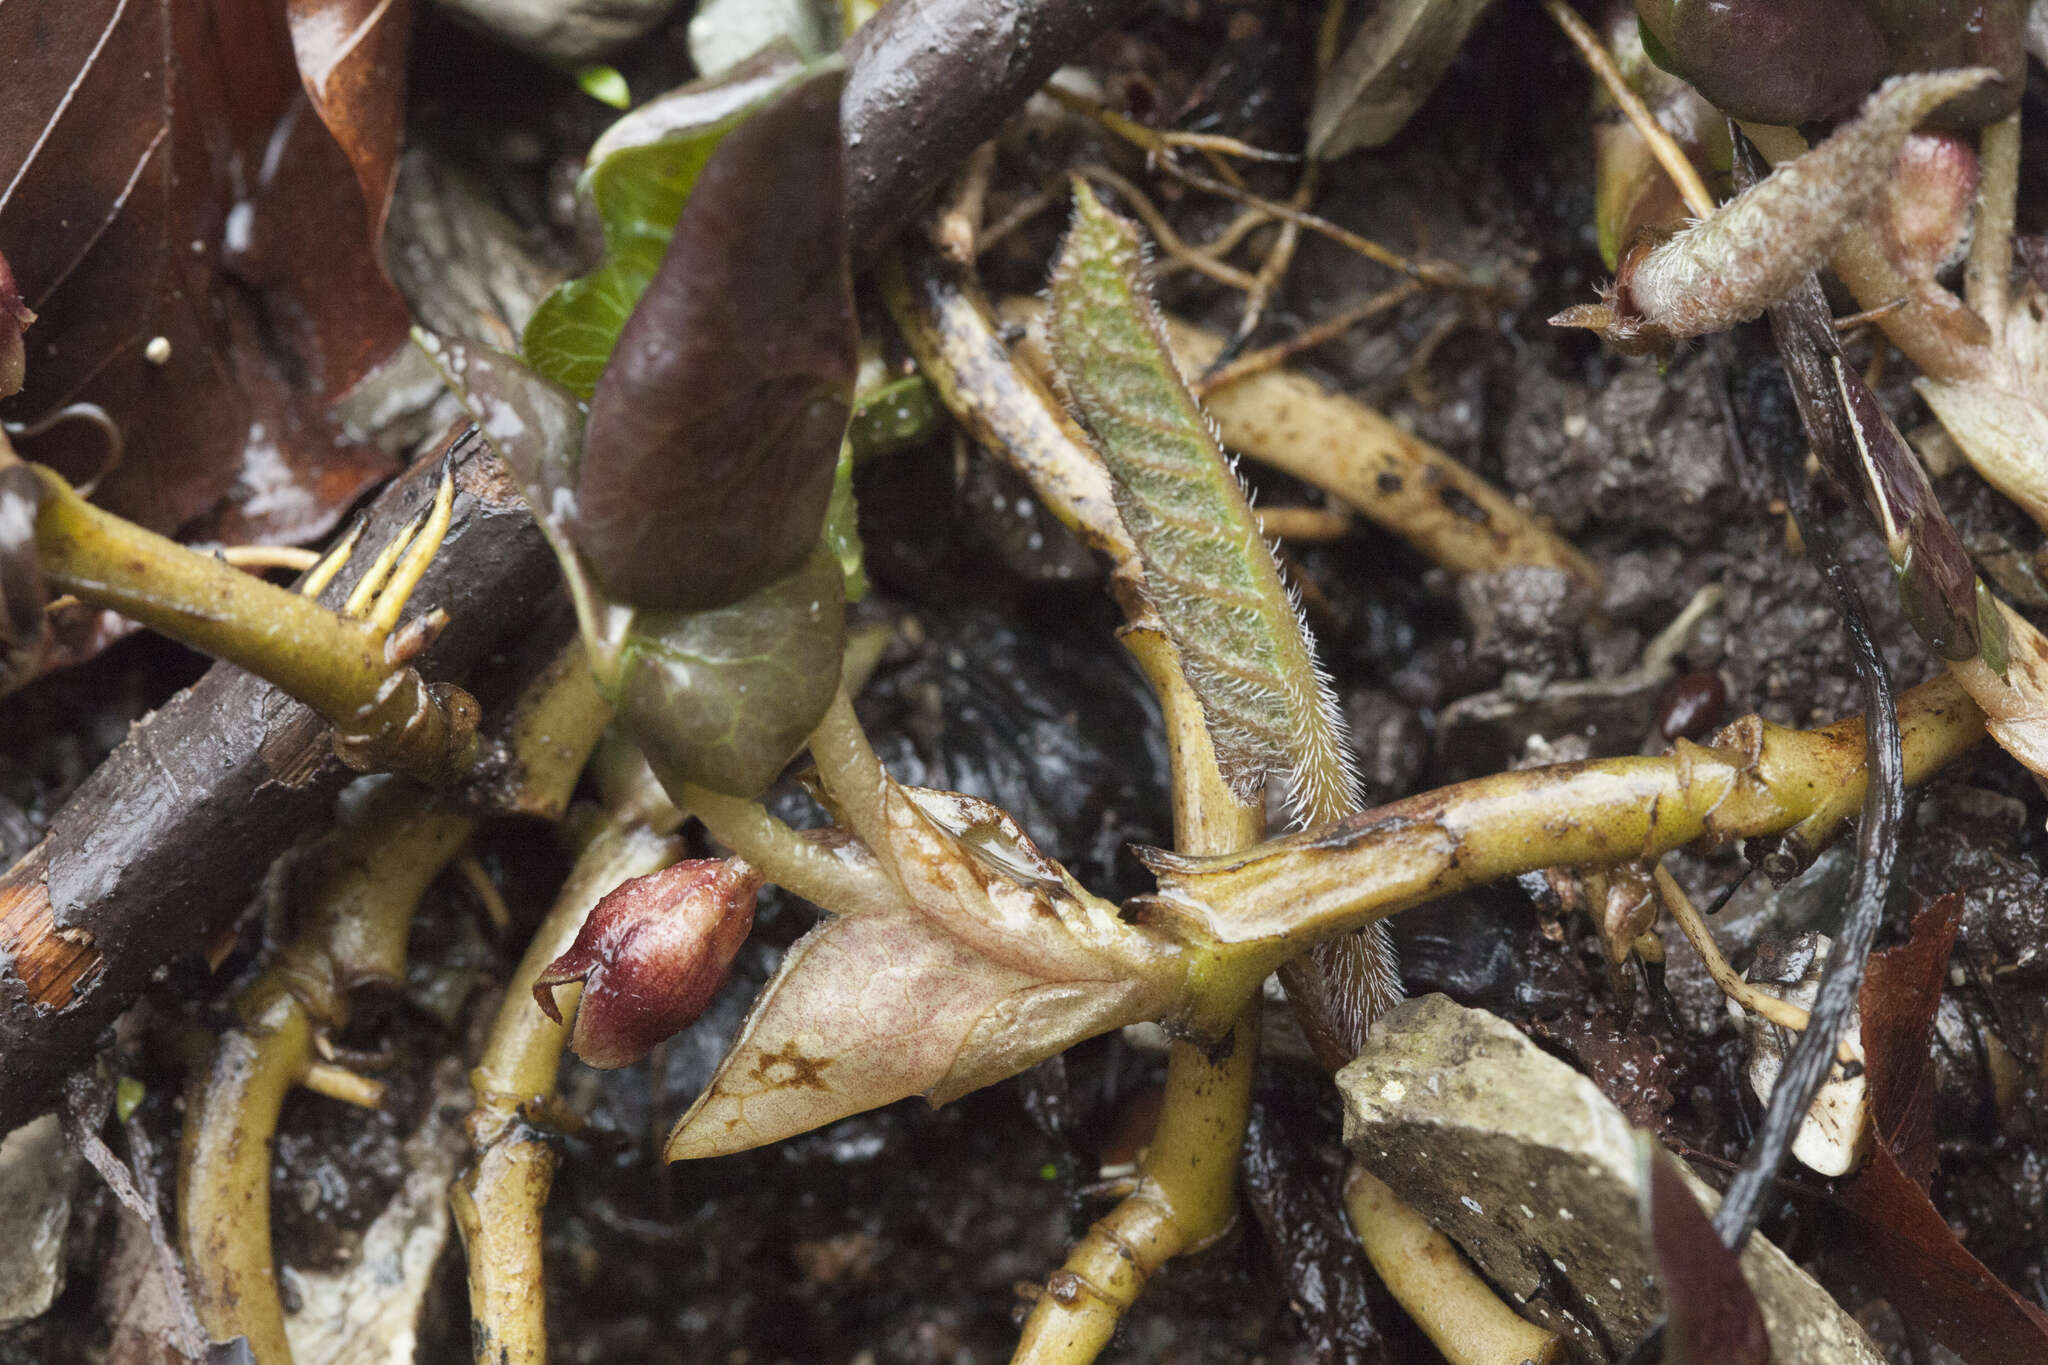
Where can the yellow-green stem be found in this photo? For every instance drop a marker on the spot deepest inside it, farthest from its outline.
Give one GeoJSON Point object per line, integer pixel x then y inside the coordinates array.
{"type": "Point", "coordinates": [381, 862]}
{"type": "Point", "coordinates": [383, 712]}
{"type": "Point", "coordinates": [1185, 1195]}
{"type": "Point", "coordinates": [224, 1172]}
{"type": "Point", "coordinates": [1758, 779]}
{"type": "Point", "coordinates": [499, 1199]}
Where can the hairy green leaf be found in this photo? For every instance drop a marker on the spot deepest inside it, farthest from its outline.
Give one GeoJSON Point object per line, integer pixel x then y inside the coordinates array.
{"type": "Point", "coordinates": [640, 173]}
{"type": "Point", "coordinates": [1243, 645]}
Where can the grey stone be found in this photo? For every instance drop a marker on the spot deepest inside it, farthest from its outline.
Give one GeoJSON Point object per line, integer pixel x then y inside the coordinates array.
{"type": "Point", "coordinates": [1522, 1161]}
{"type": "Point", "coordinates": [37, 1175]}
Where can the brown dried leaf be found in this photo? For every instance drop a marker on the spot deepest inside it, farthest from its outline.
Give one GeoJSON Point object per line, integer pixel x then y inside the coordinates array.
{"type": "Point", "coordinates": [993, 961]}
{"type": "Point", "coordinates": [1925, 1271]}
{"type": "Point", "coordinates": [197, 249]}
{"type": "Point", "coordinates": [351, 58]}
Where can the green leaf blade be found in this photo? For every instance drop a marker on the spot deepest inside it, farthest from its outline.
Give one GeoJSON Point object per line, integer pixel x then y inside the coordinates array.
{"type": "Point", "coordinates": [1208, 572]}
{"type": "Point", "coordinates": [641, 173]}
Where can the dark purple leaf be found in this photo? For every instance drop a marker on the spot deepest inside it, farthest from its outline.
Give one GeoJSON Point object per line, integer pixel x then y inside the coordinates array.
{"type": "Point", "coordinates": [715, 430]}
{"type": "Point", "coordinates": [1711, 1316]}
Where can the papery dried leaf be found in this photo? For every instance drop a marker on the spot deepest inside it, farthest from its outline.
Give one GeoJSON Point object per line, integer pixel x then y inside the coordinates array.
{"type": "Point", "coordinates": [1243, 646]}
{"type": "Point", "coordinates": [639, 175]}
{"type": "Point", "coordinates": [725, 698]}
{"type": "Point", "coordinates": [1925, 1271]}
{"type": "Point", "coordinates": [715, 429]}
{"type": "Point", "coordinates": [993, 962]}
{"type": "Point", "coordinates": [196, 246]}
{"type": "Point", "coordinates": [1712, 1317]}
{"type": "Point", "coordinates": [650, 957]}
{"type": "Point", "coordinates": [2003, 432]}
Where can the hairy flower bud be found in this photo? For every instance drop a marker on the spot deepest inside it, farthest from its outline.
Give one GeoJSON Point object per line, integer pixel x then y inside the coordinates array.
{"type": "Point", "coordinates": [651, 956]}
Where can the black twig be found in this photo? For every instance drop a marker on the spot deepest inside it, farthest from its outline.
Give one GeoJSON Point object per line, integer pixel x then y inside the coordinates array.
{"type": "Point", "coordinates": [1803, 329]}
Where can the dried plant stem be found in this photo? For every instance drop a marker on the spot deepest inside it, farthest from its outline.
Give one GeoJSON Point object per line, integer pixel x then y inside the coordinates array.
{"type": "Point", "coordinates": [384, 714]}
{"type": "Point", "coordinates": [1663, 146]}
{"type": "Point", "coordinates": [1933, 328]}
{"type": "Point", "coordinates": [1763, 1004]}
{"type": "Point", "coordinates": [948, 326]}
{"type": "Point", "coordinates": [1183, 1197]}
{"type": "Point", "coordinates": [1442, 274]}
{"type": "Point", "coordinates": [381, 863]}
{"type": "Point", "coordinates": [1201, 260]}
{"type": "Point", "coordinates": [1988, 276]}
{"type": "Point", "coordinates": [1271, 357]}
{"type": "Point", "coordinates": [1157, 141]}
{"type": "Point", "coordinates": [498, 1200]}
{"type": "Point", "coordinates": [1757, 779]}
{"type": "Point", "coordinates": [1437, 1286]}
{"type": "Point", "coordinates": [1306, 524]}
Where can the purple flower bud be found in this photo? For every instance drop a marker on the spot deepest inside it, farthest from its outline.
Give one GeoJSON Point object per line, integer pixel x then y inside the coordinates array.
{"type": "Point", "coordinates": [650, 957]}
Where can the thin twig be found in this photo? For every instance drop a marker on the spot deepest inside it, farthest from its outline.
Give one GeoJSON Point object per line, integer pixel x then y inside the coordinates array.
{"type": "Point", "coordinates": [1662, 145]}
{"type": "Point", "coordinates": [1439, 273]}
{"type": "Point", "coordinates": [1271, 357]}
{"type": "Point", "coordinates": [1156, 141]}
{"type": "Point", "coordinates": [1169, 241]}
{"type": "Point", "coordinates": [1771, 1008]}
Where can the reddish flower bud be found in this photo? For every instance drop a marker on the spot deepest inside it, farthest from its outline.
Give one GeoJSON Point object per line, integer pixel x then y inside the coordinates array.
{"type": "Point", "coordinates": [650, 957]}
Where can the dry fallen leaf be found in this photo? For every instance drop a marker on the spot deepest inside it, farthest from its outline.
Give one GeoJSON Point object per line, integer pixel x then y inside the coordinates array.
{"type": "Point", "coordinates": [1925, 1271]}
{"type": "Point", "coordinates": [198, 252]}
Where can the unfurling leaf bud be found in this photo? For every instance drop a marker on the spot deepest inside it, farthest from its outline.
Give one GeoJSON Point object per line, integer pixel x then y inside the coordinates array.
{"type": "Point", "coordinates": [651, 956]}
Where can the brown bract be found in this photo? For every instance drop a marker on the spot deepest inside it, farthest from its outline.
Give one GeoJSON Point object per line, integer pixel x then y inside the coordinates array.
{"type": "Point", "coordinates": [198, 253]}
{"type": "Point", "coordinates": [715, 430]}
{"type": "Point", "coordinates": [1923, 1268]}
{"type": "Point", "coordinates": [650, 957]}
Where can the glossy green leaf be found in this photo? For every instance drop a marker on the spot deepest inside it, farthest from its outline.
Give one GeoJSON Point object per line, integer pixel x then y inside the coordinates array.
{"type": "Point", "coordinates": [842, 526]}
{"type": "Point", "coordinates": [724, 698]}
{"type": "Point", "coordinates": [640, 174]}
{"type": "Point", "coordinates": [605, 85]}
